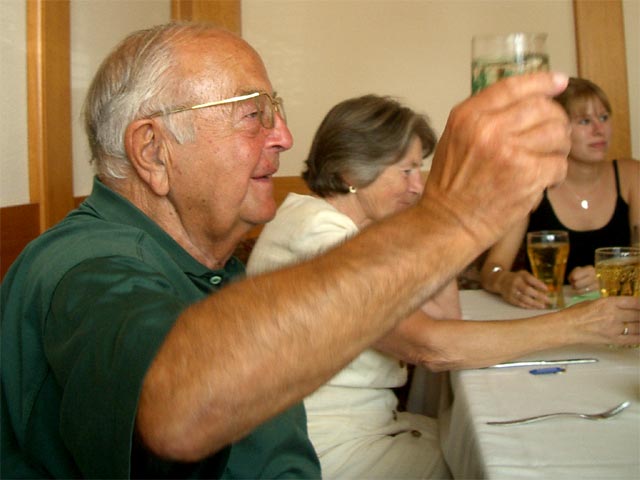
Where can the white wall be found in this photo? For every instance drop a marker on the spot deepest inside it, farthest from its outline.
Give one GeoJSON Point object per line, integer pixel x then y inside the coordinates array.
{"type": "Point", "coordinates": [321, 52]}
{"type": "Point", "coordinates": [96, 26]}
{"type": "Point", "coordinates": [318, 52]}
{"type": "Point", "coordinates": [631, 11]}
{"type": "Point", "coordinates": [14, 162]}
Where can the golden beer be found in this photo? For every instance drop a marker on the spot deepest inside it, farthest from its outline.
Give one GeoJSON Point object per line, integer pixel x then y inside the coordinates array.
{"type": "Point", "coordinates": [618, 272]}
{"type": "Point", "coordinates": [548, 262]}
{"type": "Point", "coordinates": [619, 276]}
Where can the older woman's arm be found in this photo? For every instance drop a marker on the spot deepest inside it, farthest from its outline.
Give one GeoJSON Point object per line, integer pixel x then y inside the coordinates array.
{"type": "Point", "coordinates": [457, 344]}
{"type": "Point", "coordinates": [445, 304]}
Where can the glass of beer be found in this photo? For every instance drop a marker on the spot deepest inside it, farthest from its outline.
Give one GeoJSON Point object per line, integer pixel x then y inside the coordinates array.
{"type": "Point", "coordinates": [618, 271]}
{"type": "Point", "coordinates": [498, 56]}
{"type": "Point", "coordinates": [548, 251]}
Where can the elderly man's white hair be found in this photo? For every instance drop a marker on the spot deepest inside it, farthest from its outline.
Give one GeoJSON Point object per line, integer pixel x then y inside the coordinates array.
{"type": "Point", "coordinates": [137, 79]}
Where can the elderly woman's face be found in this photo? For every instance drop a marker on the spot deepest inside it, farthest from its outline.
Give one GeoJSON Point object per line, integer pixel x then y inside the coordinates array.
{"type": "Point", "coordinates": [398, 187]}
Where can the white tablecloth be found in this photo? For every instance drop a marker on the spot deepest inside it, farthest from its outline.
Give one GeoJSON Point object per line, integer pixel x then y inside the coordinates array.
{"type": "Point", "coordinates": [562, 448]}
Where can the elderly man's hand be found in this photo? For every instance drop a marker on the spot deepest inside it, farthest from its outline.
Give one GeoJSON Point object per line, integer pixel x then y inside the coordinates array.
{"type": "Point", "coordinates": [500, 149]}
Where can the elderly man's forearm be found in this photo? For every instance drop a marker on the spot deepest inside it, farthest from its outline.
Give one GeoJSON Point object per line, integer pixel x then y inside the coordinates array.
{"type": "Point", "coordinates": [344, 301]}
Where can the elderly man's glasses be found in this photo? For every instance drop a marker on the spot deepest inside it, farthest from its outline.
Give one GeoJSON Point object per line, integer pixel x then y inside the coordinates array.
{"type": "Point", "coordinates": [254, 106]}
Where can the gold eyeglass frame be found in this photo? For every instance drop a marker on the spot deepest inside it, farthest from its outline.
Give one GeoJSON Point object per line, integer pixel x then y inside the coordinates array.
{"type": "Point", "coordinates": [276, 103]}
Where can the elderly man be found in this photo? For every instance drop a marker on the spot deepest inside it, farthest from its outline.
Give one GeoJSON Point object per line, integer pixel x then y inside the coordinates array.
{"type": "Point", "coordinates": [128, 349]}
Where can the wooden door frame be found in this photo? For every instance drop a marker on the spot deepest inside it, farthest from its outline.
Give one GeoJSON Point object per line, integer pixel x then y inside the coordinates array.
{"type": "Point", "coordinates": [226, 13]}
{"type": "Point", "coordinates": [49, 110]}
{"type": "Point", "coordinates": [602, 58]}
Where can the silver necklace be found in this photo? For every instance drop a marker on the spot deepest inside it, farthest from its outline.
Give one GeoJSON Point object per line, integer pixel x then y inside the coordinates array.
{"type": "Point", "coordinates": [584, 203]}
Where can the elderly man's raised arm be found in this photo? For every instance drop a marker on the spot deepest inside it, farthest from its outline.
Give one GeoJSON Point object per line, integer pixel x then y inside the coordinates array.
{"type": "Point", "coordinates": [243, 355]}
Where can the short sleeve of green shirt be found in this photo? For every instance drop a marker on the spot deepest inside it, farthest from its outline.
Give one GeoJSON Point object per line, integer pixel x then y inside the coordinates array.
{"type": "Point", "coordinates": [108, 318]}
{"type": "Point", "coordinates": [84, 309]}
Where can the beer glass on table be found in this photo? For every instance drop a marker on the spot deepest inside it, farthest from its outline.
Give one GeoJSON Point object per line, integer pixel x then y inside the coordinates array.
{"type": "Point", "coordinates": [548, 251]}
{"type": "Point", "coordinates": [618, 272]}
{"type": "Point", "coordinates": [498, 56]}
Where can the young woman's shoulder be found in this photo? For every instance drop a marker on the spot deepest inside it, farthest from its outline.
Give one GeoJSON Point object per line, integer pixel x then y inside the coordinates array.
{"type": "Point", "coordinates": [629, 174]}
{"type": "Point", "coordinates": [629, 163]}
{"type": "Point", "coordinates": [629, 169]}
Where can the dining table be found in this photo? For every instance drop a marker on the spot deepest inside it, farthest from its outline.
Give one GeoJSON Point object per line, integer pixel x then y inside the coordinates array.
{"type": "Point", "coordinates": [558, 448]}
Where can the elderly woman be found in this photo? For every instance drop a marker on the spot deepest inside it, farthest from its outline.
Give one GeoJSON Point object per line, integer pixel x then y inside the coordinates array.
{"type": "Point", "coordinates": [364, 165]}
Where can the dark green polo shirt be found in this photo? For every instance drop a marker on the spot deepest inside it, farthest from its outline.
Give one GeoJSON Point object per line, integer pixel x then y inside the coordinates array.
{"type": "Point", "coordinates": [84, 310]}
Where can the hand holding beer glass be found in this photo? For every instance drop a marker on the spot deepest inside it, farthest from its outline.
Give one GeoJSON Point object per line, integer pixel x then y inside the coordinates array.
{"type": "Point", "coordinates": [548, 251]}
{"type": "Point", "coordinates": [618, 272]}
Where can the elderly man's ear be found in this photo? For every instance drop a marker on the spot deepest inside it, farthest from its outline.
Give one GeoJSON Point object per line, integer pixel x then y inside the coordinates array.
{"type": "Point", "coordinates": [144, 144]}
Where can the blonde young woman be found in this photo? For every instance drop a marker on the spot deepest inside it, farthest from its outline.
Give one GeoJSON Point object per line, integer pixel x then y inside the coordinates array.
{"type": "Point", "coordinates": [598, 204]}
{"type": "Point", "coordinates": [364, 166]}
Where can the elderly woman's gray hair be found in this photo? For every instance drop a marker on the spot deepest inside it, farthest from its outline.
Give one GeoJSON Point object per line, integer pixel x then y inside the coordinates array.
{"type": "Point", "coordinates": [358, 139]}
{"type": "Point", "coordinates": [137, 79]}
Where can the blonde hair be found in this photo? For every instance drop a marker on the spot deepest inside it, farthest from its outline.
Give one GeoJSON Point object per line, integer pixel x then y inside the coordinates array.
{"type": "Point", "coordinates": [581, 89]}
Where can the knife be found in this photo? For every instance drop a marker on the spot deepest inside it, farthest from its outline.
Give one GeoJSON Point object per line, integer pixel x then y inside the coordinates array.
{"type": "Point", "coordinates": [536, 363]}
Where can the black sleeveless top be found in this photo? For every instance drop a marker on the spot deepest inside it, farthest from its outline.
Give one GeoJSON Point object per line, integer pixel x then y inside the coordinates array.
{"type": "Point", "coordinates": [582, 244]}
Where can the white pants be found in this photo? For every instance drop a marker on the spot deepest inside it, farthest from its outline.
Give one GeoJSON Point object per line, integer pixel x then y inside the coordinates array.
{"type": "Point", "coordinates": [406, 447]}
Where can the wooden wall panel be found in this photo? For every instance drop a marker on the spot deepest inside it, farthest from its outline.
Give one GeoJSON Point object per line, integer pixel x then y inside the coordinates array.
{"type": "Point", "coordinates": [18, 226]}
{"type": "Point", "coordinates": [601, 54]}
{"type": "Point", "coordinates": [225, 13]}
{"type": "Point", "coordinates": [49, 109]}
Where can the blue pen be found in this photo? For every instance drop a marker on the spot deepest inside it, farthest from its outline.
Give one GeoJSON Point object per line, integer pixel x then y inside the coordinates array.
{"type": "Point", "coordinates": [545, 371]}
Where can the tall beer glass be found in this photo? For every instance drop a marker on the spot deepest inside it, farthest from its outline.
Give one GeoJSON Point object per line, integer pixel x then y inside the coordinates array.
{"type": "Point", "coordinates": [548, 251]}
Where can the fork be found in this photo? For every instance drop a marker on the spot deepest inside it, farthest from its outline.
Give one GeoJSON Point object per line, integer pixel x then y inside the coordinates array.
{"type": "Point", "coordinates": [589, 416]}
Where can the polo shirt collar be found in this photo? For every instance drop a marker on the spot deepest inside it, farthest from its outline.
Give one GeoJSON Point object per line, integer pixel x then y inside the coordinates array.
{"type": "Point", "coordinates": [113, 207]}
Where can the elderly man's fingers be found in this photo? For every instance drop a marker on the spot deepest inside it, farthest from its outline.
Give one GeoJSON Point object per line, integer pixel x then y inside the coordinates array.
{"type": "Point", "coordinates": [534, 112]}
{"type": "Point", "coordinates": [514, 89]}
{"type": "Point", "coordinates": [535, 130]}
{"type": "Point", "coordinates": [550, 169]}
{"type": "Point", "coordinates": [498, 152]}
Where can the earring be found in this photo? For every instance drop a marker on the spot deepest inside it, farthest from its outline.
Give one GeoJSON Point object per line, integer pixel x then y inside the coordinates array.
{"type": "Point", "coordinates": [352, 189]}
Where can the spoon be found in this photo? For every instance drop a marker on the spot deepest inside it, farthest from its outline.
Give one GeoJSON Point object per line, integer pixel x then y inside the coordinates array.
{"type": "Point", "coordinates": [589, 416]}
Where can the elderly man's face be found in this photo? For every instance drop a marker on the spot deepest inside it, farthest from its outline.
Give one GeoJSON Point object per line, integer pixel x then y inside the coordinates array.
{"type": "Point", "coordinates": [221, 183]}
